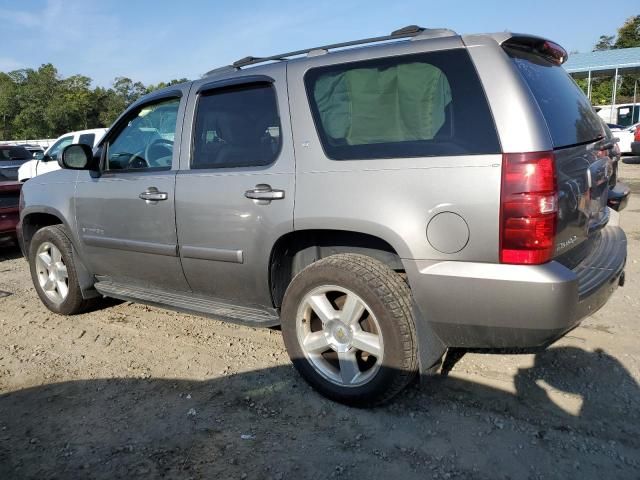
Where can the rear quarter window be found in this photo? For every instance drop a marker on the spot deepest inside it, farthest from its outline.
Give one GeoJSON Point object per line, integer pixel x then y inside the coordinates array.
{"type": "Point", "coordinates": [430, 104]}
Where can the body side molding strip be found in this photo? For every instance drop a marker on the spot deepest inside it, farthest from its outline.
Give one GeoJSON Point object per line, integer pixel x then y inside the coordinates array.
{"type": "Point", "coordinates": [133, 245]}
{"type": "Point", "coordinates": [218, 254]}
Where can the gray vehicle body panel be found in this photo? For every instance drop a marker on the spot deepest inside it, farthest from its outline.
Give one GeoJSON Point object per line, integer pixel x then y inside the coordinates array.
{"type": "Point", "coordinates": [519, 122]}
{"type": "Point", "coordinates": [53, 194]}
{"type": "Point", "coordinates": [209, 240]}
{"type": "Point", "coordinates": [226, 238]}
{"type": "Point", "coordinates": [393, 199]}
{"type": "Point", "coordinates": [123, 237]}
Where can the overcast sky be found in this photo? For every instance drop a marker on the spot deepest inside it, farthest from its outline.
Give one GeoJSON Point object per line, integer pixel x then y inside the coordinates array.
{"type": "Point", "coordinates": [155, 41]}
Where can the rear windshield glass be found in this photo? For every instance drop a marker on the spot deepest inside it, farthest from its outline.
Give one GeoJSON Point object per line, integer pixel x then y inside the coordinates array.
{"type": "Point", "coordinates": [430, 104]}
{"type": "Point", "coordinates": [569, 115]}
{"type": "Point", "coordinates": [14, 153]}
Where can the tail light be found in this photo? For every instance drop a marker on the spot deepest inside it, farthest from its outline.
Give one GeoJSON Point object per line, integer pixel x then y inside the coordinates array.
{"type": "Point", "coordinates": [555, 52]}
{"type": "Point", "coordinates": [529, 208]}
{"type": "Point", "coordinates": [636, 135]}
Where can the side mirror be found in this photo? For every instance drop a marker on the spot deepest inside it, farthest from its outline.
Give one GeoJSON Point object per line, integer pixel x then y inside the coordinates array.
{"type": "Point", "coordinates": [47, 158]}
{"type": "Point", "coordinates": [78, 157]}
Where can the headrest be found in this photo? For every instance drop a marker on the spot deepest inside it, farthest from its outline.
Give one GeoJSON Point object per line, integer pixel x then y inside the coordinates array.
{"type": "Point", "coordinates": [239, 128]}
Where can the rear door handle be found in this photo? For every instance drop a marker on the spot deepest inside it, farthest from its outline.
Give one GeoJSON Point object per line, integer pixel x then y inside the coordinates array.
{"type": "Point", "coordinates": [152, 195]}
{"type": "Point", "coordinates": [262, 191]}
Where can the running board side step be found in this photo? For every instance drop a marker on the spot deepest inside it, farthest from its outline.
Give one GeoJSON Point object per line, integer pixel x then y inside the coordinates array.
{"type": "Point", "coordinates": [190, 303]}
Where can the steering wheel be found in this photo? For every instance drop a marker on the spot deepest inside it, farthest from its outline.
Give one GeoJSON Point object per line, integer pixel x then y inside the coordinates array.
{"type": "Point", "coordinates": [137, 161]}
{"type": "Point", "coordinates": [158, 149]}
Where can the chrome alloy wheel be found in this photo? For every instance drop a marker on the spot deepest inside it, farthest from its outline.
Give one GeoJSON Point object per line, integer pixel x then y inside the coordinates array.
{"type": "Point", "coordinates": [52, 272]}
{"type": "Point", "coordinates": [339, 335]}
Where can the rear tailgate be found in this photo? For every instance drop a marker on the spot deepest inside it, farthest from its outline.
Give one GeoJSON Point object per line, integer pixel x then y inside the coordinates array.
{"type": "Point", "coordinates": [9, 169]}
{"type": "Point", "coordinates": [584, 156]}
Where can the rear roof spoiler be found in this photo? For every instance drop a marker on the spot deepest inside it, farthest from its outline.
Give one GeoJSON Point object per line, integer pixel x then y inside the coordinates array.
{"type": "Point", "coordinates": [537, 45]}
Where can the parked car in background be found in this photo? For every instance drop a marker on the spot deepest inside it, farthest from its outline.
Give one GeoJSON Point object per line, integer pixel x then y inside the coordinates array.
{"type": "Point", "coordinates": [9, 211]}
{"type": "Point", "coordinates": [626, 136]}
{"type": "Point", "coordinates": [12, 157]}
{"type": "Point", "coordinates": [49, 160]}
{"type": "Point", "coordinates": [619, 192]}
{"type": "Point", "coordinates": [635, 144]}
{"type": "Point", "coordinates": [37, 151]}
{"type": "Point", "coordinates": [625, 114]}
{"type": "Point", "coordinates": [424, 218]}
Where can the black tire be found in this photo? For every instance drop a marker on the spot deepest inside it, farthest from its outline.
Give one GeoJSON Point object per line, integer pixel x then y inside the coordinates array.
{"type": "Point", "coordinates": [74, 303]}
{"type": "Point", "coordinates": [388, 298]}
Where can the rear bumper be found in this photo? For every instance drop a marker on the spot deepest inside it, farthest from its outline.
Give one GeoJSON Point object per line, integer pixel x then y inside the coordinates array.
{"type": "Point", "coordinates": [482, 305]}
{"type": "Point", "coordinates": [635, 148]}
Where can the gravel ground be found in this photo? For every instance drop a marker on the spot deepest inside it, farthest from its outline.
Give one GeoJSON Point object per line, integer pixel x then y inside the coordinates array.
{"type": "Point", "coordinates": [132, 391]}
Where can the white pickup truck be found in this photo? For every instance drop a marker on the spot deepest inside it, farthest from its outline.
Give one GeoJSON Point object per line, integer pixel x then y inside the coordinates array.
{"type": "Point", "coordinates": [49, 162]}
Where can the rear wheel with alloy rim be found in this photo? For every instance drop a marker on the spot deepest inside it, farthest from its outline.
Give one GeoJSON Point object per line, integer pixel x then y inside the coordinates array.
{"type": "Point", "coordinates": [347, 325]}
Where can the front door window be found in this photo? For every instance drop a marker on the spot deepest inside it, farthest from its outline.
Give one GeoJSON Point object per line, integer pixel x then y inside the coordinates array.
{"type": "Point", "coordinates": [146, 140]}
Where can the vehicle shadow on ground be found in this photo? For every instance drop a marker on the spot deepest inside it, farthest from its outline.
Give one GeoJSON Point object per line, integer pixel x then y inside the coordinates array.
{"type": "Point", "coordinates": [9, 251]}
{"type": "Point", "coordinates": [631, 160]}
{"type": "Point", "coordinates": [269, 424]}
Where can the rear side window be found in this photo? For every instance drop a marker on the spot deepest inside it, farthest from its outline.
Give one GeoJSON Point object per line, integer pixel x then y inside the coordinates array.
{"type": "Point", "coordinates": [87, 139]}
{"type": "Point", "coordinates": [569, 115]}
{"type": "Point", "coordinates": [237, 127]}
{"type": "Point", "coordinates": [430, 104]}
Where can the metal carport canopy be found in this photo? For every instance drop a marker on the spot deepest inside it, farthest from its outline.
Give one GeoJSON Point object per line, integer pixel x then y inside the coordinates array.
{"type": "Point", "coordinates": [605, 63]}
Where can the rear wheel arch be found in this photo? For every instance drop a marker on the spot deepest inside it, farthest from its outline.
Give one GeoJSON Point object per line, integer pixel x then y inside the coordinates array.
{"type": "Point", "coordinates": [295, 250]}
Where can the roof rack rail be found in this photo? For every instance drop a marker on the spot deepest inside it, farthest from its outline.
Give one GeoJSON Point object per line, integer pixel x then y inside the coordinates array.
{"type": "Point", "coordinates": [405, 32]}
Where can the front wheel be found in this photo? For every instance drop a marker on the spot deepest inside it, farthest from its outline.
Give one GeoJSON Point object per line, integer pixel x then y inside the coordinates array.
{"type": "Point", "coordinates": [53, 271]}
{"type": "Point", "coordinates": [348, 329]}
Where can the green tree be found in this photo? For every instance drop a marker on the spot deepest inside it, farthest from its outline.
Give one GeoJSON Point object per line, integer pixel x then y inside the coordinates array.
{"type": "Point", "coordinates": [629, 33]}
{"type": "Point", "coordinates": [604, 43]}
{"type": "Point", "coordinates": [70, 109]}
{"type": "Point", "coordinates": [36, 89]}
{"type": "Point", "coordinates": [8, 106]}
{"type": "Point", "coordinates": [39, 103]}
{"type": "Point", "coordinates": [152, 87]}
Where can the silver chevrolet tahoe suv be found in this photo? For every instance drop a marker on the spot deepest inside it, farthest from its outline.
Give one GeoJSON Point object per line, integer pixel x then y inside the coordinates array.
{"type": "Point", "coordinates": [381, 200]}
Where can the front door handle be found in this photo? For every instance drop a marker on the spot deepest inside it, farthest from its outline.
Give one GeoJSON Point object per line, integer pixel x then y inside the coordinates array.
{"type": "Point", "coordinates": [262, 191]}
{"type": "Point", "coordinates": [152, 195]}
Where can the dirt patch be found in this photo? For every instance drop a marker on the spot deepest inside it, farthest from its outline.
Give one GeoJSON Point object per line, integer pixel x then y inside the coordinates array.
{"type": "Point", "coordinates": [131, 391]}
